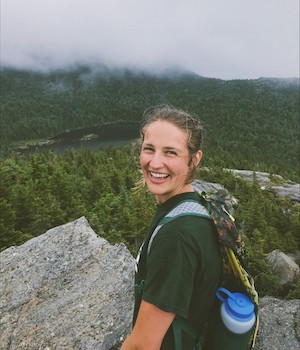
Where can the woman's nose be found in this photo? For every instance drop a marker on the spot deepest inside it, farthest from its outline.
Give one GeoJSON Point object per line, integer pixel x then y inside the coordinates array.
{"type": "Point", "coordinates": [156, 161]}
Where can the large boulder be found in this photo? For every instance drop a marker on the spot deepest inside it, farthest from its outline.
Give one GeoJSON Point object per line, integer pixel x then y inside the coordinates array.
{"type": "Point", "coordinates": [279, 324]}
{"type": "Point", "coordinates": [66, 289]}
{"type": "Point", "coordinates": [284, 267]}
{"type": "Point", "coordinates": [69, 289]}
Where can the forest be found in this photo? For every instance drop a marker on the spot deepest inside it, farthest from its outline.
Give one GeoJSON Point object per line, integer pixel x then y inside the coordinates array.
{"type": "Point", "coordinates": [250, 125]}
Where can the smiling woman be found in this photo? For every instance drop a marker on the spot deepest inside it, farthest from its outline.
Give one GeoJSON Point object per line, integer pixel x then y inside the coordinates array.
{"type": "Point", "coordinates": [177, 278]}
{"type": "Point", "coordinates": [165, 159]}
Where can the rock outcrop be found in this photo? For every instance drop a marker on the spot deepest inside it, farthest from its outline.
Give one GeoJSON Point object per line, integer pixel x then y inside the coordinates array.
{"type": "Point", "coordinates": [69, 289]}
{"type": "Point", "coordinates": [279, 324]}
{"type": "Point", "coordinates": [263, 178]}
{"type": "Point", "coordinates": [291, 191]}
{"type": "Point", "coordinates": [284, 267]}
{"type": "Point", "coordinates": [267, 181]}
{"type": "Point", "coordinates": [66, 289]}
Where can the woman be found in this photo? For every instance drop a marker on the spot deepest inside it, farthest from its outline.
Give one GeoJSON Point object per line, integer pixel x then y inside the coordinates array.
{"type": "Point", "coordinates": [179, 276]}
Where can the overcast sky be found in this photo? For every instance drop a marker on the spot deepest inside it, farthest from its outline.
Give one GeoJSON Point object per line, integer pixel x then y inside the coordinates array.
{"type": "Point", "coordinates": [227, 39]}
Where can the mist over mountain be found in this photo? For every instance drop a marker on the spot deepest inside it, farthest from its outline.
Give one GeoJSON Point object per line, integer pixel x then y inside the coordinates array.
{"type": "Point", "coordinates": [220, 39]}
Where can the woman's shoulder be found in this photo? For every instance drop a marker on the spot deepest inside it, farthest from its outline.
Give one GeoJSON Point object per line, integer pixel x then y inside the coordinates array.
{"type": "Point", "coordinates": [185, 220]}
{"type": "Point", "coordinates": [188, 229]}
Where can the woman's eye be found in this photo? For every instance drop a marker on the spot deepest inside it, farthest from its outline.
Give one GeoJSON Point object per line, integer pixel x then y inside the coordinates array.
{"type": "Point", "coordinates": [173, 153]}
{"type": "Point", "coordinates": [147, 149]}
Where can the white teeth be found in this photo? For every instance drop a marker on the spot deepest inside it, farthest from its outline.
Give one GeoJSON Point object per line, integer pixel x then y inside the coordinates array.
{"type": "Point", "coordinates": [159, 175]}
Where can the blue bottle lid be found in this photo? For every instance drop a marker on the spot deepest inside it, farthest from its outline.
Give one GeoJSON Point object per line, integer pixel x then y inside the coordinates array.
{"type": "Point", "coordinates": [237, 305]}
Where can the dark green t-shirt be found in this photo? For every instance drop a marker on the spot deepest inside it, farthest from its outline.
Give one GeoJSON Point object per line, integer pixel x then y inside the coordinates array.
{"type": "Point", "coordinates": [182, 270]}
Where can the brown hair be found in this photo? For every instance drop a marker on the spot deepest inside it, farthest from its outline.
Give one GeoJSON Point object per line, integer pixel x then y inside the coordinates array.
{"type": "Point", "coordinates": [184, 121]}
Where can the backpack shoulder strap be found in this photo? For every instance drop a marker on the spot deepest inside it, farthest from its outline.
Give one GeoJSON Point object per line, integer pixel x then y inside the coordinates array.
{"type": "Point", "coordinates": [184, 208]}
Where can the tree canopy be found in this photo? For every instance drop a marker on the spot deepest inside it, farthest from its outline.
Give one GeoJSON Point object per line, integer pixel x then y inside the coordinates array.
{"type": "Point", "coordinates": [250, 124]}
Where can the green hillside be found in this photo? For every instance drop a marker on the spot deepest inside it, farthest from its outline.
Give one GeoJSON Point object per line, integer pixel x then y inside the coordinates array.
{"type": "Point", "coordinates": [249, 123]}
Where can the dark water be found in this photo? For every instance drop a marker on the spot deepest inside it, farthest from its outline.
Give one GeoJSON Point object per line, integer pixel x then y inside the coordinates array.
{"type": "Point", "coordinates": [93, 145]}
{"type": "Point", "coordinates": [108, 135]}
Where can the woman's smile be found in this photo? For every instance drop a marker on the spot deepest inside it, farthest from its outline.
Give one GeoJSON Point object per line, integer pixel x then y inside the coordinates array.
{"type": "Point", "coordinates": [158, 176]}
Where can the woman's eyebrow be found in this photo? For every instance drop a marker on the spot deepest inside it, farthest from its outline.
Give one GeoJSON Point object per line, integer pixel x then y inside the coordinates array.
{"type": "Point", "coordinates": [173, 148]}
{"type": "Point", "coordinates": [167, 148]}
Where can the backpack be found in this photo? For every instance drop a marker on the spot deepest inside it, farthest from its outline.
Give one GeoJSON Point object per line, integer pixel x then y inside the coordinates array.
{"type": "Point", "coordinates": [235, 276]}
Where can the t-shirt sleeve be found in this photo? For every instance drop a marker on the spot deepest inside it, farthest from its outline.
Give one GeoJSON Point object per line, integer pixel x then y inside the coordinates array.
{"type": "Point", "coordinates": [171, 268]}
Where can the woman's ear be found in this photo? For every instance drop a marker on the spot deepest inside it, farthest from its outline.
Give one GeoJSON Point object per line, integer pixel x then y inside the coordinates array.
{"type": "Point", "coordinates": [197, 158]}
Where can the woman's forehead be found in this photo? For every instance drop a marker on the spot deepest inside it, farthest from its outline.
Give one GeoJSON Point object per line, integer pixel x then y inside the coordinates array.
{"type": "Point", "coordinates": [165, 133]}
{"type": "Point", "coordinates": [165, 127]}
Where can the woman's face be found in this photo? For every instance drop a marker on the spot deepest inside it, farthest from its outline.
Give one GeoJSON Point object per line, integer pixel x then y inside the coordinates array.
{"type": "Point", "coordinates": [165, 159]}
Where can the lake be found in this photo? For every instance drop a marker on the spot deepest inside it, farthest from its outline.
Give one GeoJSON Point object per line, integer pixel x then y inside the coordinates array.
{"type": "Point", "coordinates": [92, 138]}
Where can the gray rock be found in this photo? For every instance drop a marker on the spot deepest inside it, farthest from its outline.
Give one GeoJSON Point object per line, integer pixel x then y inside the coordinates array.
{"type": "Point", "coordinates": [279, 324]}
{"type": "Point", "coordinates": [284, 267]}
{"type": "Point", "coordinates": [248, 175]}
{"type": "Point", "coordinates": [66, 289]}
{"type": "Point", "coordinates": [69, 289]}
{"type": "Point", "coordinates": [291, 191]}
{"type": "Point", "coordinates": [266, 181]}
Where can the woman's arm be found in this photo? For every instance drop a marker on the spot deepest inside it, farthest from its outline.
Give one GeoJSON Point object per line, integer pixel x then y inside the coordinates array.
{"type": "Point", "coordinates": [150, 328]}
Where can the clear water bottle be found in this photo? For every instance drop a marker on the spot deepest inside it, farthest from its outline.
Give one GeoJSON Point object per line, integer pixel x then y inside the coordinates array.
{"type": "Point", "coordinates": [235, 323]}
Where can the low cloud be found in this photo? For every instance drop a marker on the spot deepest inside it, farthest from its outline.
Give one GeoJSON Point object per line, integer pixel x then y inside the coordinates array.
{"type": "Point", "coordinates": [223, 39]}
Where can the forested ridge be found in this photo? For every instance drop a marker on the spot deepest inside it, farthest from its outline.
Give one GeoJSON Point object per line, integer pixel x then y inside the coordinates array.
{"type": "Point", "coordinates": [250, 124]}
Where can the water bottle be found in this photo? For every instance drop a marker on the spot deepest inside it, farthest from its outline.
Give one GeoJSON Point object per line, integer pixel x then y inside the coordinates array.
{"type": "Point", "coordinates": [235, 321]}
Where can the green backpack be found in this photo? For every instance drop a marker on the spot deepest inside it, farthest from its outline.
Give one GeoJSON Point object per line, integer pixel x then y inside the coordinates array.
{"type": "Point", "coordinates": [234, 275]}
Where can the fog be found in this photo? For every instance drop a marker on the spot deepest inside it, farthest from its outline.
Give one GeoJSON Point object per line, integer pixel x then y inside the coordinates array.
{"type": "Point", "coordinates": [233, 39]}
